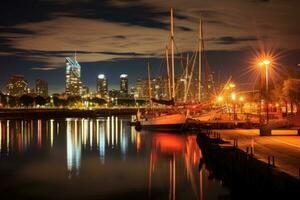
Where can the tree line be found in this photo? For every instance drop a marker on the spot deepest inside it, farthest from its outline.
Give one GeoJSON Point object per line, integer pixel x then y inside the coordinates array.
{"type": "Point", "coordinates": [56, 101]}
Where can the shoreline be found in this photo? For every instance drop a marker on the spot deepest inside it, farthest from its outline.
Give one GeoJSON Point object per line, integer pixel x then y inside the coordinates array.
{"type": "Point", "coordinates": [47, 113]}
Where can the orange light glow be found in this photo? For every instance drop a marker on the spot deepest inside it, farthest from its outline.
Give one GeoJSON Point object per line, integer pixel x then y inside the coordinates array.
{"type": "Point", "coordinates": [168, 143]}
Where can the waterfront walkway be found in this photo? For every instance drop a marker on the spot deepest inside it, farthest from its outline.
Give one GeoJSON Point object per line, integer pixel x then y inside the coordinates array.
{"type": "Point", "coordinates": [284, 145]}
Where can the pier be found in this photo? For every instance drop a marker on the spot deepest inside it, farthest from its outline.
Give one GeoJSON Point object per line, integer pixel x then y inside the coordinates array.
{"type": "Point", "coordinates": [243, 159]}
{"type": "Point", "coordinates": [282, 150]}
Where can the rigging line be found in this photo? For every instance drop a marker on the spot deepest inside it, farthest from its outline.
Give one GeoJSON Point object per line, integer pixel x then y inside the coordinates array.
{"type": "Point", "coordinates": [159, 71]}
{"type": "Point", "coordinates": [192, 70]}
{"type": "Point", "coordinates": [193, 58]}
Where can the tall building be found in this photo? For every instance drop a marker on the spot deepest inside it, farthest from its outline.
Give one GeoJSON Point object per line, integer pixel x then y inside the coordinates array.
{"type": "Point", "coordinates": [159, 89]}
{"type": "Point", "coordinates": [102, 85]}
{"type": "Point", "coordinates": [124, 84]}
{"type": "Point", "coordinates": [73, 85]}
{"type": "Point", "coordinates": [141, 89]}
{"type": "Point", "coordinates": [41, 87]}
{"type": "Point", "coordinates": [16, 86]}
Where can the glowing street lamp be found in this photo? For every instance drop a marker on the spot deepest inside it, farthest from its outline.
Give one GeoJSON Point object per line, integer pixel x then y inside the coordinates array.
{"type": "Point", "coordinates": [220, 99]}
{"type": "Point", "coordinates": [242, 99]}
{"type": "Point", "coordinates": [232, 85]}
{"type": "Point", "coordinates": [233, 96]}
{"type": "Point", "coordinates": [266, 63]}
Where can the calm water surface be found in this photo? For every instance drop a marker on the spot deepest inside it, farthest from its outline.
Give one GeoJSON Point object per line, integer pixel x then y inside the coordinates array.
{"type": "Point", "coordinates": [101, 158]}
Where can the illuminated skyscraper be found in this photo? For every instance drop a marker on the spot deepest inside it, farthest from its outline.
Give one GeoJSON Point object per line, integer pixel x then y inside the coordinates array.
{"type": "Point", "coordinates": [41, 87]}
{"type": "Point", "coordinates": [16, 86]}
{"type": "Point", "coordinates": [73, 83]}
{"type": "Point", "coordinates": [124, 84]}
{"type": "Point", "coordinates": [102, 85]}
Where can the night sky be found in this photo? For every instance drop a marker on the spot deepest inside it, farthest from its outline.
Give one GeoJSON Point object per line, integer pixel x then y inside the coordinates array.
{"type": "Point", "coordinates": [120, 36]}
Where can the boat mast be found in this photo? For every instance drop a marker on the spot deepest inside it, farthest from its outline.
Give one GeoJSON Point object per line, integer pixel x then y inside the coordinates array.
{"type": "Point", "coordinates": [149, 85]}
{"type": "Point", "coordinates": [172, 48]}
{"type": "Point", "coordinates": [168, 73]}
{"type": "Point", "coordinates": [200, 59]}
{"type": "Point", "coordinates": [186, 78]}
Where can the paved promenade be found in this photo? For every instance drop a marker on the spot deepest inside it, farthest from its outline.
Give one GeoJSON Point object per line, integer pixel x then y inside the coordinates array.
{"type": "Point", "coordinates": [283, 145]}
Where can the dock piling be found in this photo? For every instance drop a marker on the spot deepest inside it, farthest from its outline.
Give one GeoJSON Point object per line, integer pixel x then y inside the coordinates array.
{"type": "Point", "coordinates": [251, 151]}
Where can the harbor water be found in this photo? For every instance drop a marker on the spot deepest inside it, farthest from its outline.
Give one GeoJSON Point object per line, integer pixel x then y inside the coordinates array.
{"type": "Point", "coordinates": [101, 158]}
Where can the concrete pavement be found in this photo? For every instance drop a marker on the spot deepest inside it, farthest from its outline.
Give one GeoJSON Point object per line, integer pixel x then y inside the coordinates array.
{"type": "Point", "coordinates": [284, 145]}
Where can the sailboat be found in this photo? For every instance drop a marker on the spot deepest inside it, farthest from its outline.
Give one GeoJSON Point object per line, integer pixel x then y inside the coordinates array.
{"type": "Point", "coordinates": [176, 119]}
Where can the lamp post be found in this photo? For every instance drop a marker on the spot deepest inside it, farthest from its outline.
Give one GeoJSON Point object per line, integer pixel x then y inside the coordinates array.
{"type": "Point", "coordinates": [266, 63]}
{"type": "Point", "coordinates": [241, 103]}
{"type": "Point", "coordinates": [233, 98]}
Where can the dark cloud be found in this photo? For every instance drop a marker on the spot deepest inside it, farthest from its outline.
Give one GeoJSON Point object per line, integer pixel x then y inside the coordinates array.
{"type": "Point", "coordinates": [16, 30]}
{"type": "Point", "coordinates": [232, 40]}
{"type": "Point", "coordinates": [183, 28]}
{"type": "Point", "coordinates": [121, 53]}
{"type": "Point", "coordinates": [119, 37]}
{"type": "Point", "coordinates": [211, 17]}
{"type": "Point", "coordinates": [13, 12]}
{"type": "Point", "coordinates": [263, 1]}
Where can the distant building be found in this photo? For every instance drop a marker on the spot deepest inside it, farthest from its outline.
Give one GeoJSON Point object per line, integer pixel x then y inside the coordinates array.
{"type": "Point", "coordinates": [114, 93]}
{"type": "Point", "coordinates": [84, 90]}
{"type": "Point", "coordinates": [159, 89]}
{"type": "Point", "coordinates": [124, 84]}
{"type": "Point", "coordinates": [41, 87]}
{"type": "Point", "coordinates": [141, 89]}
{"type": "Point", "coordinates": [102, 85]}
{"type": "Point", "coordinates": [73, 85]}
{"type": "Point", "coordinates": [16, 86]}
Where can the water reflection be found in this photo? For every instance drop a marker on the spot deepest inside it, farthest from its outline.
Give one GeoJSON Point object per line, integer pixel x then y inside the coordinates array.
{"type": "Point", "coordinates": [176, 149]}
{"type": "Point", "coordinates": [108, 153]}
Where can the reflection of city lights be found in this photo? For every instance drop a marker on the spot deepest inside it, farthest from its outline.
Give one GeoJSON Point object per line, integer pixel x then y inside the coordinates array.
{"type": "Point", "coordinates": [73, 147]}
{"type": "Point", "coordinates": [0, 136]}
{"type": "Point", "coordinates": [51, 132]}
{"type": "Point", "coordinates": [117, 131]}
{"type": "Point", "coordinates": [124, 143]}
{"type": "Point", "coordinates": [40, 132]}
{"type": "Point", "coordinates": [112, 131]}
{"type": "Point", "coordinates": [138, 142]}
{"type": "Point", "coordinates": [108, 130]}
{"type": "Point", "coordinates": [242, 99]}
{"type": "Point", "coordinates": [7, 135]}
{"type": "Point", "coordinates": [91, 134]}
{"type": "Point", "coordinates": [102, 143]}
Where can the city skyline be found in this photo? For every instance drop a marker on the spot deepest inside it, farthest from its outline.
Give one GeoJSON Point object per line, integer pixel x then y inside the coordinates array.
{"type": "Point", "coordinates": [134, 31]}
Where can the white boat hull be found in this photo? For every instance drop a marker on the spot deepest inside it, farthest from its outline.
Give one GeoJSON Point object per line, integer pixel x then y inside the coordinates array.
{"type": "Point", "coordinates": [168, 122]}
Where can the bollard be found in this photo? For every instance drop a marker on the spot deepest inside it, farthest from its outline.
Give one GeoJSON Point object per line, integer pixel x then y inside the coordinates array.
{"type": "Point", "coordinates": [247, 150]}
{"type": "Point", "coordinates": [273, 160]}
{"type": "Point", "coordinates": [269, 160]}
{"type": "Point", "coordinates": [251, 151]}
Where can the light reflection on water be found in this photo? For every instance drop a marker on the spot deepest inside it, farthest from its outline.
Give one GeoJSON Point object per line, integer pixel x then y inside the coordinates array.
{"type": "Point", "coordinates": [102, 152]}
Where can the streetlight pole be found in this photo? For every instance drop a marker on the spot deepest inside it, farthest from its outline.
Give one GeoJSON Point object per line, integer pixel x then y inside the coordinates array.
{"type": "Point", "coordinates": [267, 62]}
